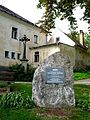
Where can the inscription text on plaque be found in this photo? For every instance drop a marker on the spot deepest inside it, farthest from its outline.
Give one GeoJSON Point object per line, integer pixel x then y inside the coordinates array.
{"type": "Point", "coordinates": [55, 75]}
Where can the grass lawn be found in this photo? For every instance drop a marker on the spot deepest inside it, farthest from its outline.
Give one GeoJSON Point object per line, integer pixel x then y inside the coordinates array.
{"type": "Point", "coordinates": [81, 75]}
{"type": "Point", "coordinates": [22, 87]}
{"type": "Point", "coordinates": [43, 113]}
{"type": "Point", "coordinates": [24, 114]}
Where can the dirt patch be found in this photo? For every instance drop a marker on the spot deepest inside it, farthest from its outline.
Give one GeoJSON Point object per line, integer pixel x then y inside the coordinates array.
{"type": "Point", "coordinates": [58, 112]}
{"type": "Point", "coordinates": [4, 90]}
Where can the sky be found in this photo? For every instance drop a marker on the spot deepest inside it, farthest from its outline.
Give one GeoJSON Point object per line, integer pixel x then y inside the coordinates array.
{"type": "Point", "coordinates": [28, 10]}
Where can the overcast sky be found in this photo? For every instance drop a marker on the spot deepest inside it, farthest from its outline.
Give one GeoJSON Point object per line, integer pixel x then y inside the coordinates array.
{"type": "Point", "coordinates": [28, 10]}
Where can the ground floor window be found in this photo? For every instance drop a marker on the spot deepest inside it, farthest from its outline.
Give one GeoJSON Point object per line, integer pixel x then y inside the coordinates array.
{"type": "Point", "coordinates": [13, 55]}
{"type": "Point", "coordinates": [18, 56]}
{"type": "Point", "coordinates": [36, 57]}
{"type": "Point", "coordinates": [6, 54]}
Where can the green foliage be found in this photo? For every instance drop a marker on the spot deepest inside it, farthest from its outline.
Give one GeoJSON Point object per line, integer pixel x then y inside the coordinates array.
{"type": "Point", "coordinates": [87, 41]}
{"type": "Point", "coordinates": [83, 103]}
{"type": "Point", "coordinates": [79, 114]}
{"type": "Point", "coordinates": [16, 100]}
{"type": "Point", "coordinates": [81, 75]}
{"type": "Point", "coordinates": [3, 84]}
{"type": "Point", "coordinates": [22, 87]}
{"type": "Point", "coordinates": [62, 9]}
{"type": "Point", "coordinates": [82, 96]}
{"type": "Point", "coordinates": [23, 114]}
{"type": "Point", "coordinates": [82, 92]}
{"type": "Point", "coordinates": [18, 114]}
{"type": "Point", "coordinates": [74, 35]}
{"type": "Point", "coordinates": [21, 75]}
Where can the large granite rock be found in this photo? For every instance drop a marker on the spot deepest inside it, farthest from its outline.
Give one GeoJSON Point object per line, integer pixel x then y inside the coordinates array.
{"type": "Point", "coordinates": [52, 94]}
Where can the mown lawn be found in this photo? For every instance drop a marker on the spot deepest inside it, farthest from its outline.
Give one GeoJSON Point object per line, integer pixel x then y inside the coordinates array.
{"type": "Point", "coordinates": [37, 113]}
{"type": "Point", "coordinates": [22, 87]}
{"type": "Point", "coordinates": [24, 114]}
{"type": "Point", "coordinates": [81, 75]}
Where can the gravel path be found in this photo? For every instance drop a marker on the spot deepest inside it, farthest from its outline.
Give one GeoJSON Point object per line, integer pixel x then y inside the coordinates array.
{"type": "Point", "coordinates": [84, 81]}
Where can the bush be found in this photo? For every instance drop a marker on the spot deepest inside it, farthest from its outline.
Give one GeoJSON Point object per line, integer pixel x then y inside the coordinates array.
{"type": "Point", "coordinates": [21, 75]}
{"type": "Point", "coordinates": [3, 84]}
{"type": "Point", "coordinates": [16, 100]}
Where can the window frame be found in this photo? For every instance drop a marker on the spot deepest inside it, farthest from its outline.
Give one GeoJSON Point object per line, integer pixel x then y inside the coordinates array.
{"type": "Point", "coordinates": [36, 39]}
{"type": "Point", "coordinates": [36, 56]}
{"type": "Point", "coordinates": [18, 56]}
{"type": "Point", "coordinates": [12, 55]}
{"type": "Point", "coordinates": [14, 33]}
{"type": "Point", "coordinates": [7, 54]}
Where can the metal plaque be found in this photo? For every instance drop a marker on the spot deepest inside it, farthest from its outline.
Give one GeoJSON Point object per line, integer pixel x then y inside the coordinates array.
{"type": "Point", "coordinates": [55, 75]}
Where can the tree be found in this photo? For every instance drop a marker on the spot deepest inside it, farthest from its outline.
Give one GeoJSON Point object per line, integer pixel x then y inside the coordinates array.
{"type": "Point", "coordinates": [87, 42]}
{"type": "Point", "coordinates": [62, 9]}
{"type": "Point", "coordinates": [74, 35]}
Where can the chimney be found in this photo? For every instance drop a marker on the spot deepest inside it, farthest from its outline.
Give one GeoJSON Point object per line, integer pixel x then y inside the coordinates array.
{"type": "Point", "coordinates": [81, 37]}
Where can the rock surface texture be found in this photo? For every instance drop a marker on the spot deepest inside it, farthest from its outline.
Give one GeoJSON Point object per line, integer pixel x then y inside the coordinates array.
{"type": "Point", "coordinates": [53, 94]}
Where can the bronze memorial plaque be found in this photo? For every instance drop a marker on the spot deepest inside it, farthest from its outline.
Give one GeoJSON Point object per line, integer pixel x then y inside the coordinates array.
{"type": "Point", "coordinates": [55, 75]}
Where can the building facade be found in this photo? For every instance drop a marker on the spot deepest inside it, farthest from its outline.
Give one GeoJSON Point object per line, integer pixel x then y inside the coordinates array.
{"type": "Point", "coordinates": [12, 28]}
{"type": "Point", "coordinates": [44, 51]}
{"type": "Point", "coordinates": [82, 57]}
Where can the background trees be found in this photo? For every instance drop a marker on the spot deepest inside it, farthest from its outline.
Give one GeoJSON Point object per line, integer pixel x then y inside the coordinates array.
{"type": "Point", "coordinates": [62, 9]}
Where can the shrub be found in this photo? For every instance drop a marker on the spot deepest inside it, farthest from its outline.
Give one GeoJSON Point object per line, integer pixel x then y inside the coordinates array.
{"type": "Point", "coordinates": [21, 75]}
{"type": "Point", "coordinates": [3, 84]}
{"type": "Point", "coordinates": [16, 100]}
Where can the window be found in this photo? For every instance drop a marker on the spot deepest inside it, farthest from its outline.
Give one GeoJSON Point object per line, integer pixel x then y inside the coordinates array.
{"type": "Point", "coordinates": [18, 56]}
{"type": "Point", "coordinates": [13, 55]}
{"type": "Point", "coordinates": [6, 54]}
{"type": "Point", "coordinates": [14, 33]}
{"type": "Point", "coordinates": [57, 39]}
{"type": "Point", "coordinates": [36, 57]}
{"type": "Point", "coordinates": [36, 39]}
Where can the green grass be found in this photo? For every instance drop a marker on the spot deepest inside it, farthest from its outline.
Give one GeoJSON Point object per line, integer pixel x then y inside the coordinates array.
{"type": "Point", "coordinates": [24, 114]}
{"type": "Point", "coordinates": [41, 113]}
{"type": "Point", "coordinates": [81, 75]}
{"type": "Point", "coordinates": [21, 114]}
{"type": "Point", "coordinates": [82, 91]}
{"type": "Point", "coordinates": [78, 114]}
{"type": "Point", "coordinates": [22, 87]}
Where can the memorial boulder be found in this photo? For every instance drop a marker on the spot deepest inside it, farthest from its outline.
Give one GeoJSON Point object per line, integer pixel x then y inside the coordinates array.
{"type": "Point", "coordinates": [52, 85]}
